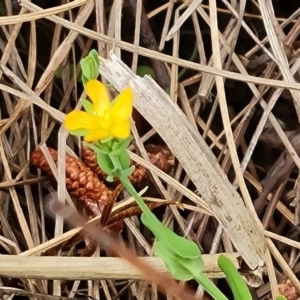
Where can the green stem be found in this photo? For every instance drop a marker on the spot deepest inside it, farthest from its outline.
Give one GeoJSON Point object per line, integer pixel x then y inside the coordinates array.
{"type": "Point", "coordinates": [131, 190]}
{"type": "Point", "coordinates": [150, 221]}
{"type": "Point", "coordinates": [209, 286]}
{"type": "Point", "coordinates": [161, 233]}
{"type": "Point", "coordinates": [235, 281]}
{"type": "Point", "coordinates": [200, 278]}
{"type": "Point", "coordinates": [115, 161]}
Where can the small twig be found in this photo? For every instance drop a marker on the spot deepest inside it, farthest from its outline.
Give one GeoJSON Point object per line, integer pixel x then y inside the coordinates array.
{"type": "Point", "coordinates": [281, 169]}
{"type": "Point", "coordinates": [17, 292]}
{"type": "Point", "coordinates": [149, 42]}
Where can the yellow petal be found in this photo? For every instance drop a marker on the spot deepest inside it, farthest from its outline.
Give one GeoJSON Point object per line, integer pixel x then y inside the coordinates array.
{"type": "Point", "coordinates": [96, 135]}
{"type": "Point", "coordinates": [121, 130]}
{"type": "Point", "coordinates": [98, 94]}
{"type": "Point", "coordinates": [121, 108]}
{"type": "Point", "coordinates": [104, 123]}
{"type": "Point", "coordinates": [78, 119]}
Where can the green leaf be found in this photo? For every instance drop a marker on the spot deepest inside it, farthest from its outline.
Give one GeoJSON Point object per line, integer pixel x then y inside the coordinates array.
{"type": "Point", "coordinates": [95, 56]}
{"type": "Point", "coordinates": [85, 68]}
{"type": "Point", "coordinates": [120, 146]}
{"type": "Point", "coordinates": [87, 105]}
{"type": "Point", "coordinates": [94, 147]}
{"type": "Point", "coordinates": [95, 59]}
{"type": "Point", "coordinates": [102, 147]}
{"type": "Point", "coordinates": [90, 66]}
{"type": "Point", "coordinates": [105, 163]}
{"type": "Point", "coordinates": [235, 281]}
{"type": "Point", "coordinates": [180, 268]}
{"type": "Point", "coordinates": [145, 70]}
{"type": "Point", "coordinates": [79, 132]}
{"type": "Point", "coordinates": [84, 79]}
{"type": "Point", "coordinates": [110, 178]}
{"type": "Point", "coordinates": [124, 160]}
{"type": "Point", "coordinates": [106, 142]}
{"type": "Point", "coordinates": [181, 246]}
{"type": "Point", "coordinates": [127, 172]}
{"type": "Point", "coordinates": [209, 287]}
{"type": "Point", "coordinates": [186, 269]}
{"type": "Point", "coordinates": [116, 144]}
{"type": "Point", "coordinates": [280, 297]}
{"type": "Point", "coordinates": [109, 85]}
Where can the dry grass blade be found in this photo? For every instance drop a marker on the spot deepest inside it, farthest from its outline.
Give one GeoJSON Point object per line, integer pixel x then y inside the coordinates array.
{"type": "Point", "coordinates": [12, 292]}
{"type": "Point", "coordinates": [15, 200]}
{"type": "Point", "coordinates": [172, 182]}
{"type": "Point", "coordinates": [87, 268]}
{"type": "Point", "coordinates": [163, 57]}
{"type": "Point", "coordinates": [187, 145]}
{"type": "Point", "coordinates": [193, 5]}
{"type": "Point", "coordinates": [273, 30]}
{"type": "Point", "coordinates": [28, 95]}
{"type": "Point", "coordinates": [63, 49]}
{"type": "Point", "coordinates": [39, 15]}
{"type": "Point", "coordinates": [224, 107]}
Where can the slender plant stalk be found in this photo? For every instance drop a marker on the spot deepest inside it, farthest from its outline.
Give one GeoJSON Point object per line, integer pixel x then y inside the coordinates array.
{"type": "Point", "coordinates": [210, 287]}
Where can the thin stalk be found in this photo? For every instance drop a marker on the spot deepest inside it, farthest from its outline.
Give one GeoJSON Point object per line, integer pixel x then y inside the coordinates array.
{"type": "Point", "coordinates": [131, 190]}
{"type": "Point", "coordinates": [209, 287]}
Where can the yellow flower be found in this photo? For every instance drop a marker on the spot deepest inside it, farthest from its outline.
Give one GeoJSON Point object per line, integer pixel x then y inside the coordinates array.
{"type": "Point", "coordinates": [105, 119]}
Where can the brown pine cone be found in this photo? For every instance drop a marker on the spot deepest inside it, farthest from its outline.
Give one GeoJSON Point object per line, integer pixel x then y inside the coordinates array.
{"type": "Point", "coordinates": [81, 182]}
{"type": "Point", "coordinates": [89, 158]}
{"type": "Point", "coordinates": [159, 155]}
{"type": "Point", "coordinates": [288, 290]}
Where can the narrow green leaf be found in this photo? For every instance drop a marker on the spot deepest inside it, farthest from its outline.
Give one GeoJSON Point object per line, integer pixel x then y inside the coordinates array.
{"type": "Point", "coordinates": [84, 79]}
{"type": "Point", "coordinates": [94, 147]}
{"type": "Point", "coordinates": [127, 172]}
{"type": "Point", "coordinates": [102, 147]}
{"type": "Point", "coordinates": [237, 284]}
{"type": "Point", "coordinates": [87, 105]}
{"type": "Point", "coordinates": [117, 144]}
{"type": "Point", "coordinates": [109, 85]}
{"type": "Point", "coordinates": [94, 56]}
{"type": "Point", "coordinates": [79, 132]}
{"type": "Point", "coordinates": [121, 148]}
{"type": "Point", "coordinates": [209, 287]}
{"type": "Point", "coordinates": [280, 297]}
{"type": "Point", "coordinates": [106, 142]}
{"type": "Point", "coordinates": [85, 68]}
